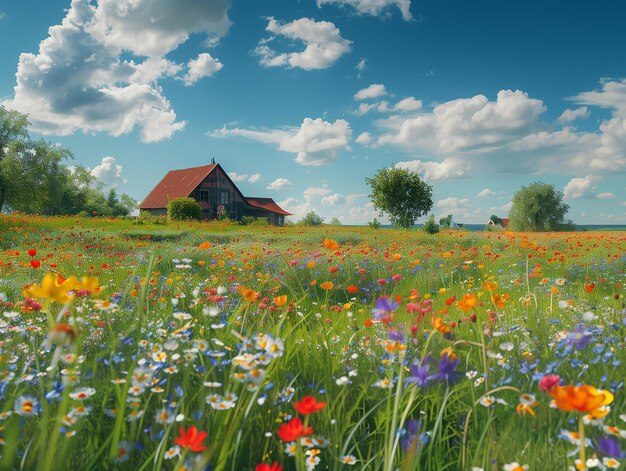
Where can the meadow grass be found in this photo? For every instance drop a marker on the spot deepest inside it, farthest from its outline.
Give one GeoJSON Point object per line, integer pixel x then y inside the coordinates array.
{"type": "Point", "coordinates": [428, 351]}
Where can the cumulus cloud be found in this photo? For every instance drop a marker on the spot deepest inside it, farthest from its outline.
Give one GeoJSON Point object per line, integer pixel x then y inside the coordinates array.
{"type": "Point", "coordinates": [78, 81]}
{"type": "Point", "coordinates": [487, 193]}
{"type": "Point", "coordinates": [373, 7]}
{"type": "Point", "coordinates": [572, 115]}
{"type": "Point", "coordinates": [234, 176]}
{"type": "Point", "coordinates": [580, 186]}
{"type": "Point", "coordinates": [607, 195]}
{"type": "Point", "coordinates": [373, 91]}
{"type": "Point", "coordinates": [108, 172]}
{"type": "Point", "coordinates": [452, 202]}
{"type": "Point", "coordinates": [279, 184]}
{"type": "Point", "coordinates": [467, 124]}
{"type": "Point", "coordinates": [155, 27]}
{"type": "Point", "coordinates": [334, 199]}
{"type": "Point", "coordinates": [408, 104]}
{"type": "Point", "coordinates": [449, 169]}
{"type": "Point", "coordinates": [316, 142]}
{"type": "Point", "coordinates": [322, 39]}
{"type": "Point", "coordinates": [203, 66]}
{"type": "Point", "coordinates": [364, 138]}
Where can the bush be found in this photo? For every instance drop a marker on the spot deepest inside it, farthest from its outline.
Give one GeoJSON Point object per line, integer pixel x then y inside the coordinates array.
{"type": "Point", "coordinates": [312, 219]}
{"type": "Point", "coordinates": [83, 214]}
{"type": "Point", "coordinates": [253, 221]}
{"type": "Point", "coordinates": [181, 209]}
{"type": "Point", "coordinates": [375, 224]}
{"type": "Point", "coordinates": [430, 226]}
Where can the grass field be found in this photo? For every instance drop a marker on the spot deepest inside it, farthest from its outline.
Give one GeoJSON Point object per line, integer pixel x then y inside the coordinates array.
{"type": "Point", "coordinates": [140, 345]}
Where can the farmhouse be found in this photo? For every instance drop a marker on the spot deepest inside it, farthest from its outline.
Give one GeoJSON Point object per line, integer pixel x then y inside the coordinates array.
{"type": "Point", "coordinates": [210, 186]}
{"type": "Point", "coordinates": [504, 222]}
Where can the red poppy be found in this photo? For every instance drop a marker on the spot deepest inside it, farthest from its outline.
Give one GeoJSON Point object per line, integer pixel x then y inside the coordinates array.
{"type": "Point", "coordinates": [589, 288]}
{"type": "Point", "coordinates": [32, 252]}
{"type": "Point", "coordinates": [267, 467]}
{"type": "Point", "coordinates": [308, 405]}
{"type": "Point", "coordinates": [352, 289]}
{"type": "Point", "coordinates": [35, 263]}
{"type": "Point", "coordinates": [293, 430]}
{"type": "Point", "coordinates": [191, 439]}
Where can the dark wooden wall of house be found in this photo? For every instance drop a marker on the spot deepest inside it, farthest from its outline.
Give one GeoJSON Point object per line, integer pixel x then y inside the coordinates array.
{"type": "Point", "coordinates": [215, 190]}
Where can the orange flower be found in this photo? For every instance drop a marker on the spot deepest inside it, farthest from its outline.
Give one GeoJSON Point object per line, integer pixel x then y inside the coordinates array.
{"type": "Point", "coordinates": [280, 300]}
{"type": "Point", "coordinates": [498, 301]}
{"type": "Point", "coordinates": [490, 285]}
{"type": "Point", "coordinates": [331, 244]}
{"type": "Point", "coordinates": [440, 325]}
{"type": "Point", "coordinates": [191, 439]}
{"type": "Point", "coordinates": [352, 289]}
{"type": "Point", "coordinates": [589, 287]}
{"type": "Point", "coordinates": [293, 430]}
{"type": "Point", "coordinates": [250, 295]}
{"type": "Point", "coordinates": [205, 245]}
{"type": "Point", "coordinates": [327, 285]}
{"type": "Point", "coordinates": [467, 303]}
{"type": "Point", "coordinates": [583, 398]}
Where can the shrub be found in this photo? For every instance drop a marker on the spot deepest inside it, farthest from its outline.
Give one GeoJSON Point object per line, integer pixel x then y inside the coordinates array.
{"type": "Point", "coordinates": [375, 224]}
{"type": "Point", "coordinates": [312, 219]}
{"type": "Point", "coordinates": [430, 226]}
{"type": "Point", "coordinates": [180, 209]}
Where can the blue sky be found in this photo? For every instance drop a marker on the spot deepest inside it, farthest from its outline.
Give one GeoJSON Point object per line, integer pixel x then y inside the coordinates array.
{"type": "Point", "coordinates": [302, 100]}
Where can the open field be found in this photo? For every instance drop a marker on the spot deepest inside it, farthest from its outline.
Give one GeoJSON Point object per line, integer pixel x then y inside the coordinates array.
{"type": "Point", "coordinates": [429, 352]}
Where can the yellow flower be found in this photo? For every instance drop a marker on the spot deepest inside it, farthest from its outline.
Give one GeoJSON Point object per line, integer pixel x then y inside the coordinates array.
{"type": "Point", "coordinates": [53, 287]}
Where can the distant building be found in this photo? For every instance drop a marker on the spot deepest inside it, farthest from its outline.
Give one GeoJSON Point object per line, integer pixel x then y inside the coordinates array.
{"type": "Point", "coordinates": [210, 186]}
{"type": "Point", "coordinates": [503, 222]}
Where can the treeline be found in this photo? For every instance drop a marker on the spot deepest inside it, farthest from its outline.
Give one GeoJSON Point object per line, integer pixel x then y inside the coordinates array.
{"type": "Point", "coordinates": [35, 180]}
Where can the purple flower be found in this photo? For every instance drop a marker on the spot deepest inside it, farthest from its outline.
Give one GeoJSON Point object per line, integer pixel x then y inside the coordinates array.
{"type": "Point", "coordinates": [395, 334]}
{"type": "Point", "coordinates": [384, 307]}
{"type": "Point", "coordinates": [609, 447]}
{"type": "Point", "coordinates": [419, 373]}
{"type": "Point", "coordinates": [447, 369]}
{"type": "Point", "coordinates": [580, 337]}
{"type": "Point", "coordinates": [410, 441]}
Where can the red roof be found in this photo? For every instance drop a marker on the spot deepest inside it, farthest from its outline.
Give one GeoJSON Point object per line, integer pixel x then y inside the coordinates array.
{"type": "Point", "coordinates": [176, 184]}
{"type": "Point", "coordinates": [267, 204]}
{"type": "Point", "coordinates": [505, 222]}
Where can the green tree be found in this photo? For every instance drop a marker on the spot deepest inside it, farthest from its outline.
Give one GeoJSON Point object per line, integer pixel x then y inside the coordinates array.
{"type": "Point", "coordinates": [539, 207]}
{"type": "Point", "coordinates": [430, 226]}
{"type": "Point", "coordinates": [13, 130]}
{"type": "Point", "coordinates": [401, 194]}
{"type": "Point", "coordinates": [335, 221]}
{"type": "Point", "coordinates": [312, 219]}
{"type": "Point", "coordinates": [446, 222]}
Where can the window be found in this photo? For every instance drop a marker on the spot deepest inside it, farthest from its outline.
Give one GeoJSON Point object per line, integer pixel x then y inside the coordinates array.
{"type": "Point", "coordinates": [203, 195]}
{"type": "Point", "coordinates": [224, 197]}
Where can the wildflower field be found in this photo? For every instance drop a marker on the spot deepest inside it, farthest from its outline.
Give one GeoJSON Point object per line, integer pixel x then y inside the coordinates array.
{"type": "Point", "coordinates": [132, 344]}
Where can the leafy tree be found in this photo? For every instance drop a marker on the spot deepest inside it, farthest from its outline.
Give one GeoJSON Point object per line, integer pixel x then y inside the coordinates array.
{"type": "Point", "coordinates": [13, 130]}
{"type": "Point", "coordinates": [312, 219]}
{"type": "Point", "coordinates": [430, 226]}
{"type": "Point", "coordinates": [335, 221]}
{"type": "Point", "coordinates": [446, 222]}
{"type": "Point", "coordinates": [374, 224]}
{"type": "Point", "coordinates": [539, 207]}
{"type": "Point", "coordinates": [402, 194]}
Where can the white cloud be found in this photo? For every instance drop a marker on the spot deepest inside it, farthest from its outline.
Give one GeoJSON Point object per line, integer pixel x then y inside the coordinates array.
{"type": "Point", "coordinates": [315, 142]}
{"type": "Point", "coordinates": [468, 124]}
{"type": "Point", "coordinates": [373, 7]}
{"type": "Point", "coordinates": [313, 192]}
{"type": "Point", "coordinates": [279, 184]}
{"type": "Point", "coordinates": [607, 195]}
{"type": "Point", "coordinates": [334, 199]}
{"type": "Point", "coordinates": [502, 209]}
{"type": "Point", "coordinates": [449, 169]}
{"type": "Point", "coordinates": [580, 186]}
{"type": "Point", "coordinates": [318, 142]}
{"type": "Point", "coordinates": [296, 207]}
{"type": "Point", "coordinates": [373, 91]}
{"type": "Point", "coordinates": [155, 27]}
{"type": "Point", "coordinates": [408, 104]}
{"type": "Point", "coordinates": [108, 172]}
{"type": "Point", "coordinates": [487, 193]}
{"type": "Point", "coordinates": [452, 202]}
{"type": "Point", "coordinates": [572, 115]}
{"type": "Point", "coordinates": [364, 138]}
{"type": "Point", "coordinates": [77, 81]}
{"type": "Point", "coordinates": [323, 41]}
{"type": "Point", "coordinates": [362, 65]}
{"type": "Point", "coordinates": [204, 66]}
{"type": "Point", "coordinates": [612, 95]}
{"type": "Point", "coordinates": [234, 176]}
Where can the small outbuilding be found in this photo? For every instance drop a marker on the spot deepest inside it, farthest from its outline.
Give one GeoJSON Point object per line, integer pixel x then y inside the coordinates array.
{"type": "Point", "coordinates": [210, 186]}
